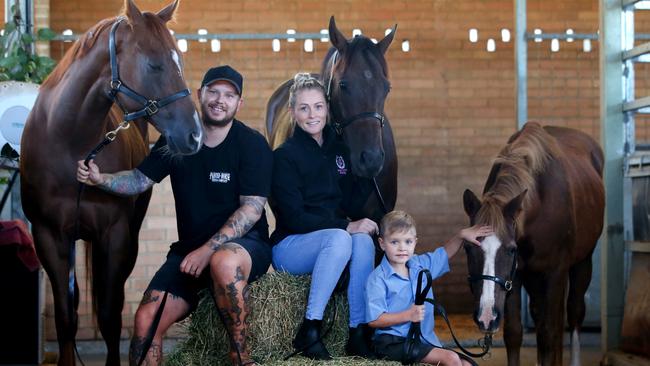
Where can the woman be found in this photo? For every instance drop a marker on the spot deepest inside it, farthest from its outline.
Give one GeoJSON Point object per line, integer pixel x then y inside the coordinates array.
{"type": "Point", "coordinates": [312, 185]}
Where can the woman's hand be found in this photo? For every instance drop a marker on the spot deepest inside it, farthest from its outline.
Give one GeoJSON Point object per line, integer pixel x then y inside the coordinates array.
{"type": "Point", "coordinates": [365, 226]}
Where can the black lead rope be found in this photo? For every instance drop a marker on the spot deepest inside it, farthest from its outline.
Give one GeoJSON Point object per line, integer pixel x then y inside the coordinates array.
{"type": "Point", "coordinates": [149, 108]}
{"type": "Point", "coordinates": [411, 346]}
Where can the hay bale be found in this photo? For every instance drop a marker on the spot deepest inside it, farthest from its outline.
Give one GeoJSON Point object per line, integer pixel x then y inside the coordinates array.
{"type": "Point", "coordinates": [278, 306]}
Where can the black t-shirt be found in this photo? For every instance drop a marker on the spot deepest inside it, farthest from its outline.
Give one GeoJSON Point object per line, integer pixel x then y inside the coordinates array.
{"type": "Point", "coordinates": [313, 187]}
{"type": "Point", "coordinates": [207, 185]}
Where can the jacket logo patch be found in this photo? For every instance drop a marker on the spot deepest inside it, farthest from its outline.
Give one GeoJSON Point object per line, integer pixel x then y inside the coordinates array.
{"type": "Point", "coordinates": [218, 177]}
{"type": "Point", "coordinates": [340, 164]}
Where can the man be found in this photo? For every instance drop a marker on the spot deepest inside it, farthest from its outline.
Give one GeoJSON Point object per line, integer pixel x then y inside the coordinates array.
{"type": "Point", "coordinates": [220, 194]}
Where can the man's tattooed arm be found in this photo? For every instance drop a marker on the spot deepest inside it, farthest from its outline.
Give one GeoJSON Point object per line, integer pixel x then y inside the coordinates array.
{"type": "Point", "coordinates": [250, 210]}
{"type": "Point", "coordinates": [126, 183]}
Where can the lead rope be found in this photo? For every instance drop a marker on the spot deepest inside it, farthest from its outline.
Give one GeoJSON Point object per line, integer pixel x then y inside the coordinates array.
{"type": "Point", "coordinates": [414, 334]}
{"type": "Point", "coordinates": [72, 256]}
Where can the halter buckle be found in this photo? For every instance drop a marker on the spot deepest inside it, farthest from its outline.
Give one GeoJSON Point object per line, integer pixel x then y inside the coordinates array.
{"type": "Point", "coordinates": [338, 128]}
{"type": "Point", "coordinates": [151, 107]}
{"type": "Point", "coordinates": [116, 84]}
{"type": "Point", "coordinates": [508, 285]}
{"type": "Point", "coordinates": [111, 135]}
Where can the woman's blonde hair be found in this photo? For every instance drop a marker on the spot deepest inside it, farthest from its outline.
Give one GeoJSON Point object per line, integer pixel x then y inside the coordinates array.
{"type": "Point", "coordinates": [303, 81]}
{"type": "Point", "coordinates": [396, 221]}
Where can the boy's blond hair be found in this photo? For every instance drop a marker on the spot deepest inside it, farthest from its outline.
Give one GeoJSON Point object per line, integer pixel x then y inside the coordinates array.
{"type": "Point", "coordinates": [396, 221]}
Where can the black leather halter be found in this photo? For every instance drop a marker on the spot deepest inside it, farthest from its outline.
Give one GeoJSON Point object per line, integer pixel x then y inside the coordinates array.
{"type": "Point", "coordinates": [506, 285]}
{"type": "Point", "coordinates": [149, 107]}
{"type": "Point", "coordinates": [339, 126]}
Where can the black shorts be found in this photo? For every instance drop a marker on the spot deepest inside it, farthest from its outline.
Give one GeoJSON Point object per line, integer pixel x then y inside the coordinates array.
{"type": "Point", "coordinates": [170, 278]}
{"type": "Point", "coordinates": [391, 347]}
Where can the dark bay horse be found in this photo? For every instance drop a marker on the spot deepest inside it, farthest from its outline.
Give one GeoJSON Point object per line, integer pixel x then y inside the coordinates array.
{"type": "Point", "coordinates": [141, 69]}
{"type": "Point", "coordinates": [545, 199]}
{"type": "Point", "coordinates": [355, 74]}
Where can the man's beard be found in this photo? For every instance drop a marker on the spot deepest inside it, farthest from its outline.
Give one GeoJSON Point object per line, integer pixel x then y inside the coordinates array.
{"type": "Point", "coordinates": [213, 122]}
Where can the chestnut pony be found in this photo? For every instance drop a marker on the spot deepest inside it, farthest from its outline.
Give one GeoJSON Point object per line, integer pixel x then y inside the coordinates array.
{"type": "Point", "coordinates": [545, 199]}
{"type": "Point", "coordinates": [132, 62]}
{"type": "Point", "coordinates": [355, 76]}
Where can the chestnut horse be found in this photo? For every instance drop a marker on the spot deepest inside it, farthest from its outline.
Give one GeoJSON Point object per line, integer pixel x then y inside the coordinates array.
{"type": "Point", "coordinates": [545, 199]}
{"type": "Point", "coordinates": [74, 110]}
{"type": "Point", "coordinates": [355, 76]}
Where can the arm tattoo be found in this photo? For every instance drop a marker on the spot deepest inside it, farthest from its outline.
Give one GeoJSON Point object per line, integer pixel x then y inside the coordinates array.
{"type": "Point", "coordinates": [126, 183]}
{"type": "Point", "coordinates": [238, 224]}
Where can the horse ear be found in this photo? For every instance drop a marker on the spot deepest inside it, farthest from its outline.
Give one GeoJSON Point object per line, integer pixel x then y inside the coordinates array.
{"type": "Point", "coordinates": [471, 202]}
{"type": "Point", "coordinates": [132, 12]}
{"type": "Point", "coordinates": [385, 43]}
{"type": "Point", "coordinates": [512, 208]}
{"type": "Point", "coordinates": [167, 13]}
{"type": "Point", "coordinates": [336, 37]}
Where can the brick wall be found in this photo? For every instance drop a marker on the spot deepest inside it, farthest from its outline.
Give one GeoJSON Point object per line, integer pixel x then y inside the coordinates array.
{"type": "Point", "coordinates": [451, 105]}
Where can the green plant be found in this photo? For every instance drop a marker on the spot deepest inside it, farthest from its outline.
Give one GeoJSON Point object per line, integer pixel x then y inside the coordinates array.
{"type": "Point", "coordinates": [18, 58]}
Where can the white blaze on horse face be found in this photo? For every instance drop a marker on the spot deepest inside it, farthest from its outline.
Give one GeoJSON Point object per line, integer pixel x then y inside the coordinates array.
{"type": "Point", "coordinates": [177, 61]}
{"type": "Point", "coordinates": [198, 138]}
{"type": "Point", "coordinates": [490, 246]}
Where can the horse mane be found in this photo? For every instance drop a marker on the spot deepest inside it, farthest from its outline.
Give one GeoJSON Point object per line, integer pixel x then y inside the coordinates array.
{"type": "Point", "coordinates": [526, 155]}
{"type": "Point", "coordinates": [78, 50]}
{"type": "Point", "coordinates": [157, 29]}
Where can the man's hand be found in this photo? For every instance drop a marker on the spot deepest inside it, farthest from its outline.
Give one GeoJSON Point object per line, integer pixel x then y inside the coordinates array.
{"type": "Point", "coordinates": [365, 226]}
{"type": "Point", "coordinates": [196, 261]}
{"type": "Point", "coordinates": [90, 174]}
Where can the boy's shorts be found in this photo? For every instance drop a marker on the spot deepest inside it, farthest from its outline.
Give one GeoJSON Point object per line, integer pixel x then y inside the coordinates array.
{"type": "Point", "coordinates": [391, 347]}
{"type": "Point", "coordinates": [170, 278]}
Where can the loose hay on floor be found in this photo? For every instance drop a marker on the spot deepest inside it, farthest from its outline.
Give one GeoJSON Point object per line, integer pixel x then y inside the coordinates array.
{"type": "Point", "coordinates": [278, 306]}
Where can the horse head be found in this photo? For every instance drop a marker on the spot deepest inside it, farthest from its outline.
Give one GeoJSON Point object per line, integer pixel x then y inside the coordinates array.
{"type": "Point", "coordinates": [356, 80]}
{"type": "Point", "coordinates": [492, 265]}
{"type": "Point", "coordinates": [149, 65]}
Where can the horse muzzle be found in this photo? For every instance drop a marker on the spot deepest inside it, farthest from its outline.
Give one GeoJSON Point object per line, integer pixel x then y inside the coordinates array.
{"type": "Point", "coordinates": [487, 320]}
{"type": "Point", "coordinates": [369, 164]}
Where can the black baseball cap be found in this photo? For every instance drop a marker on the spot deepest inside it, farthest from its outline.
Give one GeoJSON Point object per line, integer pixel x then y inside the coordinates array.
{"type": "Point", "coordinates": [225, 73]}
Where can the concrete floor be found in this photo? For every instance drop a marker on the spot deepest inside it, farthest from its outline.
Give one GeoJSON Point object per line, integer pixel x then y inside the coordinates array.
{"type": "Point", "coordinates": [92, 352]}
{"type": "Point", "coordinates": [591, 356]}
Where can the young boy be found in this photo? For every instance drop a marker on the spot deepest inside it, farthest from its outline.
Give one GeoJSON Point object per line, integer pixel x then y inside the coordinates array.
{"type": "Point", "coordinates": [390, 290]}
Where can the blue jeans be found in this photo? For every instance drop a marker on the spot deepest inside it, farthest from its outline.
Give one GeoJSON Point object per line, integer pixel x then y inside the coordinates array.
{"type": "Point", "coordinates": [324, 254]}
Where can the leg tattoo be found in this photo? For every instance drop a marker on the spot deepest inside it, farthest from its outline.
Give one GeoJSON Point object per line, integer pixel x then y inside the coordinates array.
{"type": "Point", "coordinates": [232, 303]}
{"type": "Point", "coordinates": [148, 297]}
{"type": "Point", "coordinates": [136, 350]}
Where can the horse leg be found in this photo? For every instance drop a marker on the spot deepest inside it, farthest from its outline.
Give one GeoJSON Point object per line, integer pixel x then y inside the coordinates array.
{"type": "Point", "coordinates": [579, 279]}
{"type": "Point", "coordinates": [550, 318]}
{"type": "Point", "coordinates": [113, 260]}
{"type": "Point", "coordinates": [53, 254]}
{"type": "Point", "coordinates": [512, 328]}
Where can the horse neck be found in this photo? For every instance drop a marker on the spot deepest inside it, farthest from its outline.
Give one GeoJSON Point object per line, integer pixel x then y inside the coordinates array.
{"type": "Point", "coordinates": [78, 104]}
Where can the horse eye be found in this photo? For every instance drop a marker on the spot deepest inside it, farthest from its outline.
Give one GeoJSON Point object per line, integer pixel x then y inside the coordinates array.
{"type": "Point", "coordinates": [512, 251]}
{"type": "Point", "coordinates": [342, 84]}
{"type": "Point", "coordinates": [156, 68]}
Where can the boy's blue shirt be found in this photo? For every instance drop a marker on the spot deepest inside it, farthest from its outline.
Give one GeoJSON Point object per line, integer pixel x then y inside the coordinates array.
{"type": "Point", "coordinates": [389, 292]}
